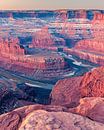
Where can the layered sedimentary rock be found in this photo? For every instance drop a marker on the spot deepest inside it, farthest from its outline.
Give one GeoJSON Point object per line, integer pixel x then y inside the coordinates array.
{"type": "Point", "coordinates": [10, 46]}
{"type": "Point", "coordinates": [62, 14]}
{"type": "Point", "coordinates": [73, 29]}
{"type": "Point", "coordinates": [67, 92]}
{"type": "Point", "coordinates": [98, 16]}
{"type": "Point", "coordinates": [91, 50]}
{"type": "Point", "coordinates": [41, 119]}
{"type": "Point", "coordinates": [92, 45]}
{"type": "Point", "coordinates": [54, 31]}
{"type": "Point", "coordinates": [42, 64]}
{"type": "Point", "coordinates": [90, 38]}
{"type": "Point", "coordinates": [84, 55]}
{"type": "Point", "coordinates": [42, 38]}
{"type": "Point", "coordinates": [77, 14]}
{"type": "Point", "coordinates": [81, 95]}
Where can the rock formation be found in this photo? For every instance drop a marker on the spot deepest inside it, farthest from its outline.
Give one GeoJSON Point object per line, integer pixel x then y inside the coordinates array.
{"type": "Point", "coordinates": [92, 45]}
{"type": "Point", "coordinates": [42, 38]}
{"type": "Point", "coordinates": [92, 107]}
{"type": "Point", "coordinates": [89, 50]}
{"type": "Point", "coordinates": [15, 118]}
{"type": "Point", "coordinates": [67, 92]}
{"type": "Point", "coordinates": [41, 64]}
{"type": "Point", "coordinates": [75, 103]}
{"type": "Point", "coordinates": [51, 121]}
{"type": "Point", "coordinates": [93, 83]}
{"type": "Point", "coordinates": [28, 118]}
{"type": "Point", "coordinates": [80, 95]}
{"type": "Point", "coordinates": [99, 16]}
{"type": "Point", "coordinates": [10, 46]}
{"type": "Point", "coordinates": [89, 36]}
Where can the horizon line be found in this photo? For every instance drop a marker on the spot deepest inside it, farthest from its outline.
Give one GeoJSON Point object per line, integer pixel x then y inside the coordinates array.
{"type": "Point", "coordinates": [50, 9]}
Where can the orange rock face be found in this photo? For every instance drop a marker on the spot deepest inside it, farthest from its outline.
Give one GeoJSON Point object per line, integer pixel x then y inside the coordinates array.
{"type": "Point", "coordinates": [90, 49]}
{"type": "Point", "coordinates": [92, 84]}
{"type": "Point", "coordinates": [92, 45]}
{"type": "Point", "coordinates": [97, 58]}
{"type": "Point", "coordinates": [68, 91]}
{"type": "Point", "coordinates": [98, 16]}
{"type": "Point", "coordinates": [92, 107]}
{"type": "Point", "coordinates": [12, 57]}
{"type": "Point", "coordinates": [11, 46]}
{"type": "Point", "coordinates": [42, 38]}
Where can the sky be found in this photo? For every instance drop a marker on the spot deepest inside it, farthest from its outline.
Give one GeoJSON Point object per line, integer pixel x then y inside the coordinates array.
{"type": "Point", "coordinates": [50, 4]}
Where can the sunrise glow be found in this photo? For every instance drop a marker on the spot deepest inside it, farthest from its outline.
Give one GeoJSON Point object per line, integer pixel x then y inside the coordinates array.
{"type": "Point", "coordinates": [50, 4]}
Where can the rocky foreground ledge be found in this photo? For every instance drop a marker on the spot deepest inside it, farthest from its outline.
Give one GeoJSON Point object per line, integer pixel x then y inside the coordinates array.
{"type": "Point", "coordinates": [50, 118]}
{"type": "Point", "coordinates": [76, 104]}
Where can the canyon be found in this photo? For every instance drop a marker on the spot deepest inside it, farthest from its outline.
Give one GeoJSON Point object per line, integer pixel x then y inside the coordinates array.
{"type": "Point", "coordinates": [31, 40]}
{"type": "Point", "coordinates": [52, 70]}
{"type": "Point", "coordinates": [38, 65]}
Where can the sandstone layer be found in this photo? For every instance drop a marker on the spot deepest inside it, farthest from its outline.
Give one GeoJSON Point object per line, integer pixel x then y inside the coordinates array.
{"type": "Point", "coordinates": [41, 65]}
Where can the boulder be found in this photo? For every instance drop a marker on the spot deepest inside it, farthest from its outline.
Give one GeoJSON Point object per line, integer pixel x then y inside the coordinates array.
{"type": "Point", "coordinates": [66, 92]}
{"type": "Point", "coordinates": [91, 107]}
